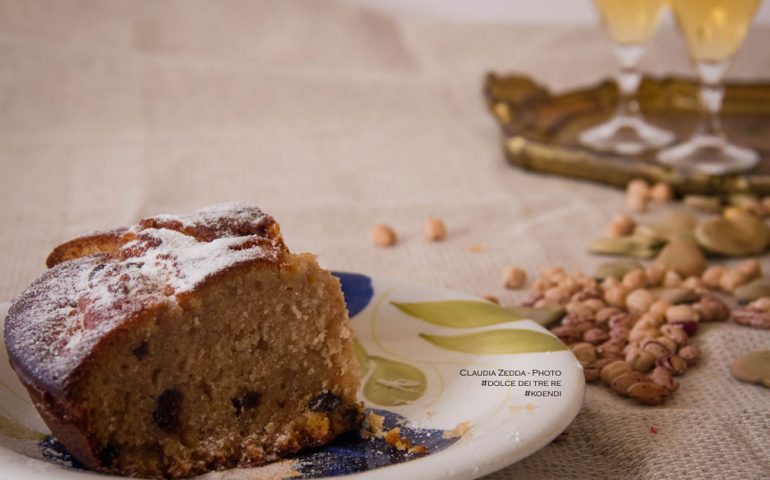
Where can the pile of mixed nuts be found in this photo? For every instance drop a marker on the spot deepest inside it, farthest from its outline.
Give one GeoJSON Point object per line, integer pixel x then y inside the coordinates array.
{"type": "Point", "coordinates": [630, 325]}
{"type": "Point", "coordinates": [628, 329]}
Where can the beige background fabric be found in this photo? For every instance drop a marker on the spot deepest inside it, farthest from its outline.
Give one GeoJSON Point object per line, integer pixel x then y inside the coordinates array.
{"type": "Point", "coordinates": [334, 117]}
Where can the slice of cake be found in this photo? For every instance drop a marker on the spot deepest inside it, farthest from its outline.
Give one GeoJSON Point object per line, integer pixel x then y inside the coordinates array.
{"type": "Point", "coordinates": [185, 344]}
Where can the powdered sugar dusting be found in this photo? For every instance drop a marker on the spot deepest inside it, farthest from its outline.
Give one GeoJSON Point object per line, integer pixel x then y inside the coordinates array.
{"type": "Point", "coordinates": [55, 323]}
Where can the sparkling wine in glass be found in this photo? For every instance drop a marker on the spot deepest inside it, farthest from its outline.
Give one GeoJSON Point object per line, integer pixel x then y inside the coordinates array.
{"type": "Point", "coordinates": [714, 31]}
{"type": "Point", "coordinates": [630, 23]}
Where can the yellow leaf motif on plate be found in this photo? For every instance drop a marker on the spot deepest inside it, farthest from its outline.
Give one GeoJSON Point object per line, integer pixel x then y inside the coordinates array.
{"type": "Point", "coordinates": [498, 342]}
{"type": "Point", "coordinates": [458, 313]}
{"type": "Point", "coordinates": [388, 382]}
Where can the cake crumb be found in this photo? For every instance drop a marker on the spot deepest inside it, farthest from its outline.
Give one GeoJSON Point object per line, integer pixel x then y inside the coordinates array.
{"type": "Point", "coordinates": [373, 426]}
{"type": "Point", "coordinates": [476, 248]}
{"type": "Point", "coordinates": [394, 439]}
{"type": "Point", "coordinates": [461, 429]}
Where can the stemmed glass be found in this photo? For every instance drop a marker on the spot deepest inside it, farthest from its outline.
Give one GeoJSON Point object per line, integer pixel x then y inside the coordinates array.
{"type": "Point", "coordinates": [714, 31]}
{"type": "Point", "coordinates": [630, 23]}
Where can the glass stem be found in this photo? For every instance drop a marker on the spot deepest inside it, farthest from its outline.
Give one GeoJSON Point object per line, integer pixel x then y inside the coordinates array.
{"type": "Point", "coordinates": [628, 79]}
{"type": "Point", "coordinates": [710, 96]}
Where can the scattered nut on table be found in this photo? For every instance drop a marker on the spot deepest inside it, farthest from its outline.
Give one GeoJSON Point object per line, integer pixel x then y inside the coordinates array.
{"type": "Point", "coordinates": [435, 230]}
{"type": "Point", "coordinates": [621, 226]}
{"type": "Point", "coordinates": [492, 299]}
{"type": "Point", "coordinates": [383, 236]}
{"type": "Point", "coordinates": [753, 367]}
{"type": "Point", "coordinates": [661, 192]}
{"type": "Point", "coordinates": [515, 278]}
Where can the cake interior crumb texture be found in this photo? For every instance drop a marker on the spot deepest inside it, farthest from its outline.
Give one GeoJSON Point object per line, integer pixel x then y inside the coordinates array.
{"type": "Point", "coordinates": [228, 359]}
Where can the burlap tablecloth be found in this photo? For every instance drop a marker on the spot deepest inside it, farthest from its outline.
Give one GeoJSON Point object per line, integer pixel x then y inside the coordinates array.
{"type": "Point", "coordinates": [334, 117]}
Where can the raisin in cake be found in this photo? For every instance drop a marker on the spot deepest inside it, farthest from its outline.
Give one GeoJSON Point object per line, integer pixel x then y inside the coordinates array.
{"type": "Point", "coordinates": [185, 344]}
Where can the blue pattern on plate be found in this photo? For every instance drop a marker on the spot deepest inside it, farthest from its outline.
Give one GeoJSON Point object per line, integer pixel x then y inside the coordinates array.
{"type": "Point", "coordinates": [347, 454]}
{"type": "Point", "coordinates": [350, 453]}
{"type": "Point", "coordinates": [357, 289]}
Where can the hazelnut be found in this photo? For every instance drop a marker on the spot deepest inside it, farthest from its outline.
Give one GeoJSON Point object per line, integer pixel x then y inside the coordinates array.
{"type": "Point", "coordinates": [655, 274]}
{"type": "Point", "coordinates": [634, 279]}
{"type": "Point", "coordinates": [751, 268]}
{"type": "Point", "coordinates": [653, 320]}
{"type": "Point", "coordinates": [681, 313]}
{"type": "Point", "coordinates": [553, 274]}
{"type": "Point", "coordinates": [732, 280]}
{"type": "Point", "coordinates": [540, 285]}
{"type": "Point", "coordinates": [712, 276]}
{"type": "Point", "coordinates": [435, 231]}
{"type": "Point", "coordinates": [661, 192]}
{"type": "Point", "coordinates": [694, 283]}
{"type": "Point", "coordinates": [383, 236]}
{"type": "Point", "coordinates": [515, 278]}
{"type": "Point", "coordinates": [556, 296]}
{"type": "Point", "coordinates": [616, 296]}
{"type": "Point", "coordinates": [621, 226]}
{"type": "Point", "coordinates": [638, 187]}
{"type": "Point", "coordinates": [660, 307]}
{"type": "Point", "coordinates": [639, 300]}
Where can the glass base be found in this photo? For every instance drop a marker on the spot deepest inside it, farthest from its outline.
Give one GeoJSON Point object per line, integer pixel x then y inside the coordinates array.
{"type": "Point", "coordinates": [709, 154]}
{"type": "Point", "coordinates": [626, 135]}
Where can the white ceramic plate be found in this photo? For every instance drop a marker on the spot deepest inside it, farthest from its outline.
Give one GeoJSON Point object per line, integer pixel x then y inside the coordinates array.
{"type": "Point", "coordinates": [426, 353]}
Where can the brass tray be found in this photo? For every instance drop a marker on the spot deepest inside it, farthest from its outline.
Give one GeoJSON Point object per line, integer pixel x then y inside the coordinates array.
{"type": "Point", "coordinates": [541, 128]}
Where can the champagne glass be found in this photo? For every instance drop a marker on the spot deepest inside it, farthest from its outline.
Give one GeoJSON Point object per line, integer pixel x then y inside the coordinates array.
{"type": "Point", "coordinates": [630, 23]}
{"type": "Point", "coordinates": [714, 31]}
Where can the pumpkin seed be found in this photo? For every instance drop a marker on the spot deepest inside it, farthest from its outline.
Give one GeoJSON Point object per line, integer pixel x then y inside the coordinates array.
{"type": "Point", "coordinates": [636, 245]}
{"type": "Point", "coordinates": [753, 290]}
{"type": "Point", "coordinates": [682, 256]}
{"type": "Point", "coordinates": [616, 268]}
{"type": "Point", "coordinates": [736, 233]}
{"type": "Point", "coordinates": [753, 368]}
{"type": "Point", "coordinates": [703, 203]}
{"type": "Point", "coordinates": [676, 224]}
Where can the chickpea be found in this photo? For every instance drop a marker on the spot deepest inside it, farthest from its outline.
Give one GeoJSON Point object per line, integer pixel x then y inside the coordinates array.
{"type": "Point", "coordinates": [751, 268]}
{"type": "Point", "coordinates": [712, 276]}
{"type": "Point", "coordinates": [639, 300]}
